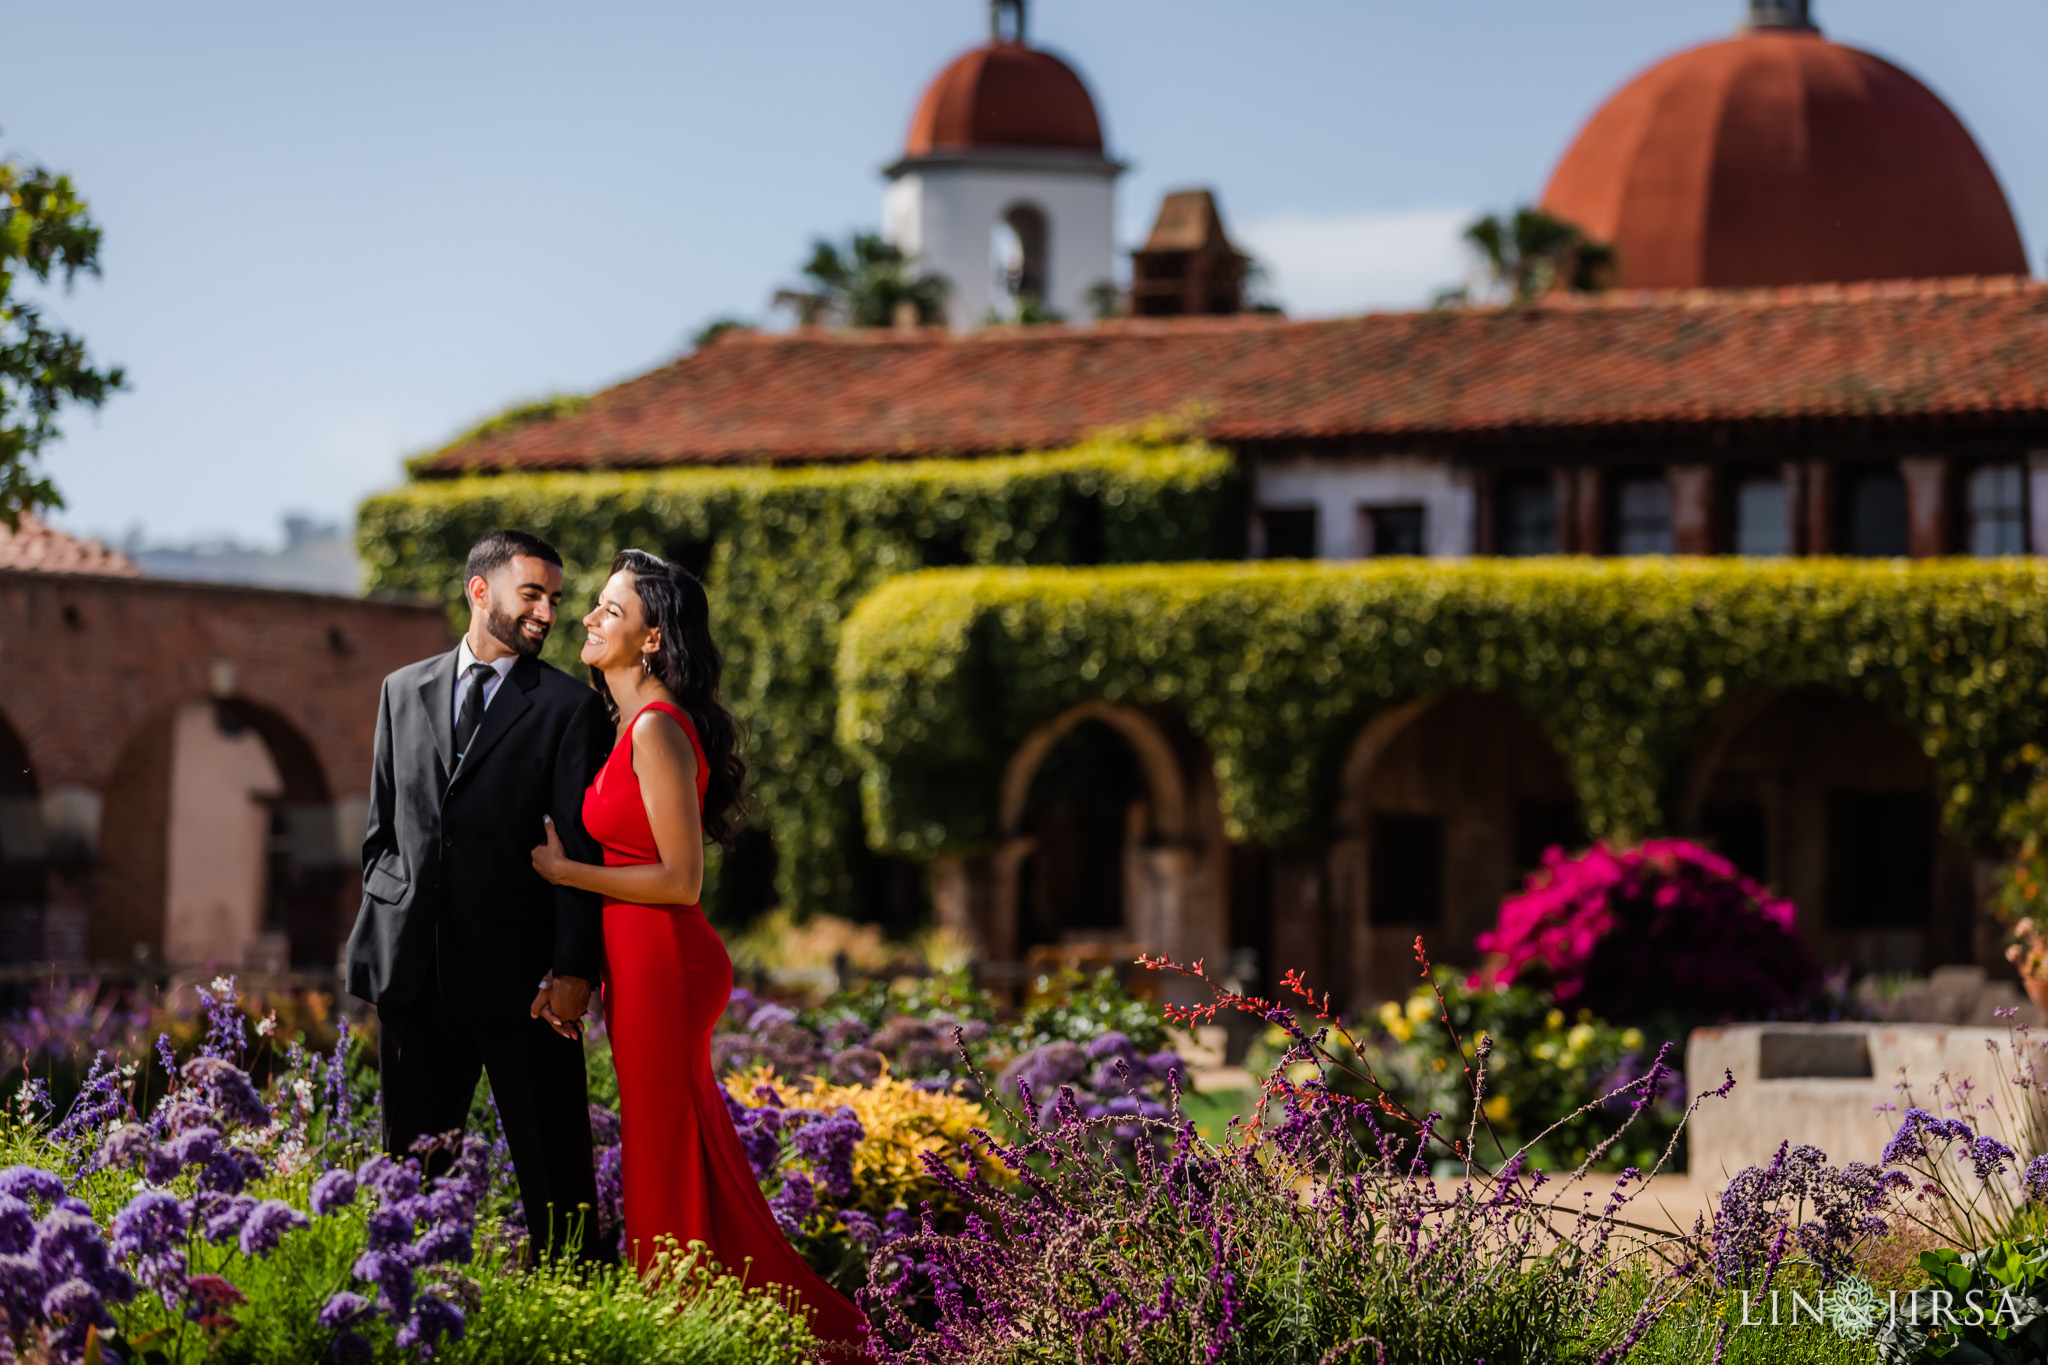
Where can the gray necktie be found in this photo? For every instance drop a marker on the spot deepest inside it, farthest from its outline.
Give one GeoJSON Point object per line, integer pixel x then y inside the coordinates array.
{"type": "Point", "coordinates": [472, 713]}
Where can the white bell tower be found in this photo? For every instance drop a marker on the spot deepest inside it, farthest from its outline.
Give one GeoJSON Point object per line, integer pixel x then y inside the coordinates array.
{"type": "Point", "coordinates": [1004, 187]}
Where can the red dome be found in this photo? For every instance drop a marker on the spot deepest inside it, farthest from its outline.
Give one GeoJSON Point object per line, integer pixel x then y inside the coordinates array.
{"type": "Point", "coordinates": [1005, 95]}
{"type": "Point", "coordinates": [1778, 157]}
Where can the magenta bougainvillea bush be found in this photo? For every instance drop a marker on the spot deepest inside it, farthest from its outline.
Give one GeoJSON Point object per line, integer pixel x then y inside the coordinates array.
{"type": "Point", "coordinates": [1663, 930]}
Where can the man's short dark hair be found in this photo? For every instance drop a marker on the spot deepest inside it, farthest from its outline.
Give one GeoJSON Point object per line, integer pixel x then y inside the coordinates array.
{"type": "Point", "coordinates": [500, 548]}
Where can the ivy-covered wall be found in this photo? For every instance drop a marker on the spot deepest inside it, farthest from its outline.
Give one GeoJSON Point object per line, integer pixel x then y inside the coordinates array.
{"type": "Point", "coordinates": [787, 553]}
{"type": "Point", "coordinates": [1277, 667]}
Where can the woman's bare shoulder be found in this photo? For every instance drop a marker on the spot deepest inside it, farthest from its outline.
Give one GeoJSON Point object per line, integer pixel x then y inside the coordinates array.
{"type": "Point", "coordinates": [659, 735]}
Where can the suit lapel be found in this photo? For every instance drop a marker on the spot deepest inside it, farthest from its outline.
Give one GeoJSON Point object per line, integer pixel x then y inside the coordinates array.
{"type": "Point", "coordinates": [508, 704]}
{"type": "Point", "coordinates": [437, 693]}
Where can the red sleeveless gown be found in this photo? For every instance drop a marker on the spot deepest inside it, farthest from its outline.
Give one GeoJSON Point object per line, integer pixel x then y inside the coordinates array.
{"type": "Point", "coordinates": [685, 1174]}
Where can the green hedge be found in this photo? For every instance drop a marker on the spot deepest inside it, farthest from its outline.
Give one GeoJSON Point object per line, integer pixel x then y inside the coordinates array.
{"type": "Point", "coordinates": [787, 554]}
{"type": "Point", "coordinates": [1278, 666]}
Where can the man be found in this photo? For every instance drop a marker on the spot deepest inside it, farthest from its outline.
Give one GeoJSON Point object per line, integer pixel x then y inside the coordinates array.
{"type": "Point", "coordinates": [456, 930]}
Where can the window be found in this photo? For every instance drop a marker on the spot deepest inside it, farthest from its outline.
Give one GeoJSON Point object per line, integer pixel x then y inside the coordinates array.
{"type": "Point", "coordinates": [1391, 530]}
{"type": "Point", "coordinates": [1995, 510]}
{"type": "Point", "coordinates": [1642, 515]}
{"type": "Point", "coordinates": [1407, 869]}
{"type": "Point", "coordinates": [1525, 515]}
{"type": "Point", "coordinates": [1541, 825]}
{"type": "Point", "coordinates": [1290, 532]}
{"type": "Point", "coordinates": [1880, 860]}
{"type": "Point", "coordinates": [1017, 256]}
{"type": "Point", "coordinates": [1763, 523]}
{"type": "Point", "coordinates": [1737, 831]}
{"type": "Point", "coordinates": [1874, 513]}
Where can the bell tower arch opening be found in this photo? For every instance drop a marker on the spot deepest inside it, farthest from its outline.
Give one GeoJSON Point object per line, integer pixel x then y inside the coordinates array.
{"type": "Point", "coordinates": [1017, 252]}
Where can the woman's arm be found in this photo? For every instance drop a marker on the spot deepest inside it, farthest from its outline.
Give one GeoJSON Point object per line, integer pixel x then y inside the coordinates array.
{"type": "Point", "coordinates": [667, 768]}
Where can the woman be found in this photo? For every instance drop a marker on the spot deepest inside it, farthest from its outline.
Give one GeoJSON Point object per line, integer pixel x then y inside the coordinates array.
{"type": "Point", "coordinates": [672, 781]}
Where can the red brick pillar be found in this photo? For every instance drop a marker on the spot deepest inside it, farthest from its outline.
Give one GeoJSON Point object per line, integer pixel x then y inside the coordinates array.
{"type": "Point", "coordinates": [1928, 512]}
{"type": "Point", "coordinates": [1581, 511]}
{"type": "Point", "coordinates": [1817, 507]}
{"type": "Point", "coordinates": [1301, 928]}
{"type": "Point", "coordinates": [1695, 528]}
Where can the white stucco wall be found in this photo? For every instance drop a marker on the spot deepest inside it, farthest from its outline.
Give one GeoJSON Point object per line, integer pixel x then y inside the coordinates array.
{"type": "Point", "coordinates": [218, 839]}
{"type": "Point", "coordinates": [1339, 487]}
{"type": "Point", "coordinates": [944, 214]}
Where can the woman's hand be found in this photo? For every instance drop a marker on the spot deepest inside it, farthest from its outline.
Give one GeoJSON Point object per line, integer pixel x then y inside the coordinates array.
{"type": "Point", "coordinates": [550, 859]}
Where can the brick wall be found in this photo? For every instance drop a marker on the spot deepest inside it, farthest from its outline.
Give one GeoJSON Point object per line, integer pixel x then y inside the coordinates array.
{"type": "Point", "coordinates": [92, 669]}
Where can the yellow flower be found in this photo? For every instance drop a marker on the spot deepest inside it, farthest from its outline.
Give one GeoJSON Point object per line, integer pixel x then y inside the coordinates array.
{"type": "Point", "coordinates": [1394, 1022]}
{"type": "Point", "coordinates": [1554, 1019]}
{"type": "Point", "coordinates": [901, 1124]}
{"type": "Point", "coordinates": [1580, 1035]}
{"type": "Point", "coordinates": [1497, 1108]}
{"type": "Point", "coordinates": [1440, 1064]}
{"type": "Point", "coordinates": [1421, 1007]}
{"type": "Point", "coordinates": [1632, 1038]}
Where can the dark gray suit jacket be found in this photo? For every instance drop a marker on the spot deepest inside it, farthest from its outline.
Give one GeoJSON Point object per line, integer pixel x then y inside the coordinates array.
{"type": "Point", "coordinates": [448, 879]}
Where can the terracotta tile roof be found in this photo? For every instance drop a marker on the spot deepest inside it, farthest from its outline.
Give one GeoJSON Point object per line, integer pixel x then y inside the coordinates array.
{"type": "Point", "coordinates": [1957, 349]}
{"type": "Point", "coordinates": [38, 547]}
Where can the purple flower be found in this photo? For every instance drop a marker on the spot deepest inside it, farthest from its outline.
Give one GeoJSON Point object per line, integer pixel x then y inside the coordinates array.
{"type": "Point", "coordinates": [70, 1246]}
{"type": "Point", "coordinates": [393, 1278]}
{"type": "Point", "coordinates": [770, 1017]}
{"type": "Point", "coordinates": [123, 1147]}
{"type": "Point", "coordinates": [828, 1145]}
{"type": "Point", "coordinates": [796, 1203]}
{"type": "Point", "coordinates": [2036, 1178]}
{"type": "Point", "coordinates": [1111, 1043]}
{"type": "Point", "coordinates": [433, 1320]}
{"type": "Point", "coordinates": [390, 1226]}
{"type": "Point", "coordinates": [442, 1242]}
{"type": "Point", "coordinates": [228, 1089]}
{"type": "Point", "coordinates": [267, 1223]}
{"type": "Point", "coordinates": [151, 1223]}
{"type": "Point", "coordinates": [335, 1189]}
{"type": "Point", "coordinates": [604, 1127]}
{"type": "Point", "coordinates": [392, 1180]}
{"type": "Point", "coordinates": [343, 1310]}
{"type": "Point", "coordinates": [757, 1139]}
{"type": "Point", "coordinates": [1910, 1142]}
{"type": "Point", "coordinates": [221, 1216]}
{"type": "Point", "coordinates": [29, 1182]}
{"type": "Point", "coordinates": [1989, 1156]}
{"type": "Point", "coordinates": [353, 1346]}
{"type": "Point", "coordinates": [164, 1163]}
{"type": "Point", "coordinates": [17, 1225]}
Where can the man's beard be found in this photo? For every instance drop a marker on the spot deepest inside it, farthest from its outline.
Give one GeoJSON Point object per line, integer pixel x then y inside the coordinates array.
{"type": "Point", "coordinates": [504, 628]}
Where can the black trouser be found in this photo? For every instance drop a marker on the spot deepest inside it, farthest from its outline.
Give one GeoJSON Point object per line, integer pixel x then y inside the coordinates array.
{"type": "Point", "coordinates": [431, 1057]}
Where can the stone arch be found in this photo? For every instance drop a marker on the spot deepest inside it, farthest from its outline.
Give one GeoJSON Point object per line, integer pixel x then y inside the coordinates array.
{"type": "Point", "coordinates": [1445, 803]}
{"type": "Point", "coordinates": [1020, 251]}
{"type": "Point", "coordinates": [24, 848]}
{"type": "Point", "coordinates": [1155, 863]}
{"type": "Point", "coordinates": [1833, 801]}
{"type": "Point", "coordinates": [222, 844]}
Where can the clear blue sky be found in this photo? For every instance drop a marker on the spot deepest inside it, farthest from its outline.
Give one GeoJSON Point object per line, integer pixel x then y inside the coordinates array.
{"type": "Point", "coordinates": [337, 233]}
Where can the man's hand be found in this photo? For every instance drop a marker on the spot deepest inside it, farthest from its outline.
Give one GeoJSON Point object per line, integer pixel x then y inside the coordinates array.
{"type": "Point", "coordinates": [562, 1001]}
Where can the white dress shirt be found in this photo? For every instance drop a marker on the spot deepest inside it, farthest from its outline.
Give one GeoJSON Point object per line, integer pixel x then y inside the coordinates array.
{"type": "Point", "coordinates": [463, 660]}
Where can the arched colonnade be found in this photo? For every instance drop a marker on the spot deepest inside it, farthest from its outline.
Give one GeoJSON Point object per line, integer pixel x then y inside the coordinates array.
{"type": "Point", "coordinates": [1110, 833]}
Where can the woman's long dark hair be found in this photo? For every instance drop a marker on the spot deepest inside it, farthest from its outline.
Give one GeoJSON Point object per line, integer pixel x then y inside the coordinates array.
{"type": "Point", "coordinates": [690, 666]}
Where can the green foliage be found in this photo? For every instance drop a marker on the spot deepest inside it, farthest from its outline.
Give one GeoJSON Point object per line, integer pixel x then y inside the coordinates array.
{"type": "Point", "coordinates": [1546, 1069]}
{"type": "Point", "coordinates": [1075, 1007]}
{"type": "Point", "coordinates": [1529, 253]}
{"type": "Point", "coordinates": [1277, 666]}
{"type": "Point", "coordinates": [1985, 1307]}
{"type": "Point", "coordinates": [788, 554]}
{"type": "Point", "coordinates": [862, 286]}
{"type": "Point", "coordinates": [45, 230]}
{"type": "Point", "coordinates": [523, 413]}
{"type": "Point", "coordinates": [2021, 899]}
